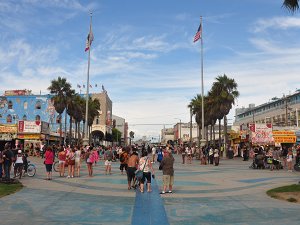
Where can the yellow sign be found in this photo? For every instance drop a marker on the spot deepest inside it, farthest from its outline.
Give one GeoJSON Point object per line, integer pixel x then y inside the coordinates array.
{"type": "Point", "coordinates": [285, 139]}
{"type": "Point", "coordinates": [29, 136]}
{"type": "Point", "coordinates": [8, 128]}
{"type": "Point", "coordinates": [283, 133]}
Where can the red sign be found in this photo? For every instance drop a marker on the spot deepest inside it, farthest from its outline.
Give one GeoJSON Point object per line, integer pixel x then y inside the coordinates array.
{"type": "Point", "coordinates": [21, 126]}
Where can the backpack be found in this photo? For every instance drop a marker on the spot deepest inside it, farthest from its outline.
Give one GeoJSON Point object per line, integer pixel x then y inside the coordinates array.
{"type": "Point", "coordinates": [122, 158]}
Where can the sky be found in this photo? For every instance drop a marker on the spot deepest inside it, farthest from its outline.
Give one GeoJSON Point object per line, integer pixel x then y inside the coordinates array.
{"type": "Point", "coordinates": [143, 52]}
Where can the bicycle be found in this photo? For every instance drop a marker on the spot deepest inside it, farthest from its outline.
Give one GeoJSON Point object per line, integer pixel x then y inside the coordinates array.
{"type": "Point", "coordinates": [297, 164]}
{"type": "Point", "coordinates": [56, 166]}
{"type": "Point", "coordinates": [31, 170]}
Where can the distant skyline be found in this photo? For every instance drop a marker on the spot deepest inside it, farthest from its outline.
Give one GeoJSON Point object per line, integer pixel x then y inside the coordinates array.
{"type": "Point", "coordinates": [143, 52]}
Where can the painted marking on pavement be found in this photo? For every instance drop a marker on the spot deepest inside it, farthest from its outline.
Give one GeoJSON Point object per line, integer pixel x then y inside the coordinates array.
{"type": "Point", "coordinates": [149, 208]}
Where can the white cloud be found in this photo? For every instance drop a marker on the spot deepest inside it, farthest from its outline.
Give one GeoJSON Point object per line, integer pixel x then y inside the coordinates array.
{"type": "Point", "coordinates": [277, 23]}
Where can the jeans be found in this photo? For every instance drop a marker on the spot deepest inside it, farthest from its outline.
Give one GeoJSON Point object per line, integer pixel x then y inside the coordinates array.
{"type": "Point", "coordinates": [7, 169]}
{"type": "Point", "coordinates": [0, 170]}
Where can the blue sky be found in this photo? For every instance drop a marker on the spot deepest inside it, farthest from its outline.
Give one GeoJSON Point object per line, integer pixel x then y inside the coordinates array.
{"type": "Point", "coordinates": [143, 51]}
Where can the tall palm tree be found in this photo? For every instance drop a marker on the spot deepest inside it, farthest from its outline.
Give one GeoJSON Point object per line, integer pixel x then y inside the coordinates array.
{"type": "Point", "coordinates": [71, 110]}
{"type": "Point", "coordinates": [226, 90]}
{"type": "Point", "coordinates": [94, 108]}
{"type": "Point", "coordinates": [79, 113]}
{"type": "Point", "coordinates": [61, 90]}
{"type": "Point", "coordinates": [292, 5]}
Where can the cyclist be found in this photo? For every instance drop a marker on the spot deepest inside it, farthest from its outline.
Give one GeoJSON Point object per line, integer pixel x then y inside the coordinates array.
{"type": "Point", "coordinates": [18, 164]}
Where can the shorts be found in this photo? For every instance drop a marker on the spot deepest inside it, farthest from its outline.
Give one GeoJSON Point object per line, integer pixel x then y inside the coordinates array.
{"type": "Point", "coordinates": [18, 165]}
{"type": "Point", "coordinates": [168, 180]}
{"type": "Point", "coordinates": [77, 163]}
{"type": "Point", "coordinates": [107, 163]}
{"type": "Point", "coordinates": [131, 173]}
{"type": "Point", "coordinates": [147, 176]}
{"type": "Point", "coordinates": [61, 162]}
{"type": "Point", "coordinates": [123, 166]}
{"type": "Point", "coordinates": [48, 167]}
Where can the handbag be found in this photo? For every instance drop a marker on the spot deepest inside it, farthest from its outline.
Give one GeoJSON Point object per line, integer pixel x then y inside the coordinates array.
{"type": "Point", "coordinates": [140, 173]}
{"type": "Point", "coordinates": [160, 167]}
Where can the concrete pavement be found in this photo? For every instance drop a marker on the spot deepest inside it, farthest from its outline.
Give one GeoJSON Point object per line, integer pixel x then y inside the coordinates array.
{"type": "Point", "coordinates": [228, 194]}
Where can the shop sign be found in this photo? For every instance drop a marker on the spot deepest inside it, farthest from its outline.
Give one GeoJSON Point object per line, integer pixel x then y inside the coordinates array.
{"type": "Point", "coordinates": [29, 126]}
{"type": "Point", "coordinates": [7, 136]}
{"type": "Point", "coordinates": [8, 128]}
{"type": "Point", "coordinates": [15, 92]}
{"type": "Point", "coordinates": [261, 133]}
{"type": "Point", "coordinates": [285, 139]}
{"type": "Point", "coordinates": [45, 129]}
{"type": "Point", "coordinates": [283, 133]}
{"type": "Point", "coordinates": [29, 136]}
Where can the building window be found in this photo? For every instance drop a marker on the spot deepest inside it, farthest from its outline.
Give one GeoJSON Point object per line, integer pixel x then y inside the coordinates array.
{"type": "Point", "coordinates": [38, 105]}
{"type": "Point", "coordinates": [37, 118]}
{"type": "Point", "coordinates": [9, 118]}
{"type": "Point", "coordinates": [10, 105]}
{"type": "Point", "coordinates": [24, 117]}
{"type": "Point", "coordinates": [97, 121]}
{"type": "Point", "coordinates": [58, 119]}
{"type": "Point", "coordinates": [25, 105]}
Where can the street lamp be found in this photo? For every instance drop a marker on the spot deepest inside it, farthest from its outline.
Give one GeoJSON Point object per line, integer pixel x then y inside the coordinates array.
{"type": "Point", "coordinates": [179, 129]}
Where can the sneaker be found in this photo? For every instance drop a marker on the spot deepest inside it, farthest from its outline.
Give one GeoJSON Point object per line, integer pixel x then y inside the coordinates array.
{"type": "Point", "coordinates": [170, 192]}
{"type": "Point", "coordinates": [72, 176]}
{"type": "Point", "coordinates": [68, 177]}
{"type": "Point", "coordinates": [162, 193]}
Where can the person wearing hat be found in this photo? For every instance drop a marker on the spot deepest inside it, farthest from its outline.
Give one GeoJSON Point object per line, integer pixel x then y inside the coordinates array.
{"type": "Point", "coordinates": [19, 164]}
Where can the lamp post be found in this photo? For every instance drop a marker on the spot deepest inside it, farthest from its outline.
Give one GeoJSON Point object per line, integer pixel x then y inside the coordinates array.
{"type": "Point", "coordinates": [179, 129]}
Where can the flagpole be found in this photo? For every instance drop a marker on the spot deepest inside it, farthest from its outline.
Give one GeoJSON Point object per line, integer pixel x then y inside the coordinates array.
{"type": "Point", "coordinates": [86, 133]}
{"type": "Point", "coordinates": [202, 88]}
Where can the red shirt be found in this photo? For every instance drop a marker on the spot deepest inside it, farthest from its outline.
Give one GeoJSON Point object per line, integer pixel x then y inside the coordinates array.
{"type": "Point", "coordinates": [49, 157]}
{"type": "Point", "coordinates": [62, 156]}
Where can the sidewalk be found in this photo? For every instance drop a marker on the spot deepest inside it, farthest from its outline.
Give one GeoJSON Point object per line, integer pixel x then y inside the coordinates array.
{"type": "Point", "coordinates": [228, 194]}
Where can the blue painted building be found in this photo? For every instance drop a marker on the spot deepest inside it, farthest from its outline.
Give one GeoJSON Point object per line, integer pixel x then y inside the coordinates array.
{"type": "Point", "coordinates": [21, 105]}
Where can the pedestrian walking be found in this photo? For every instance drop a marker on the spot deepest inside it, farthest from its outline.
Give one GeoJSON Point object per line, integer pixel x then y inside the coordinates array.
{"type": "Point", "coordinates": [216, 156]}
{"type": "Point", "coordinates": [62, 156]}
{"type": "Point", "coordinates": [167, 167]}
{"type": "Point", "coordinates": [108, 157]}
{"type": "Point", "coordinates": [71, 163]}
{"type": "Point", "coordinates": [19, 164]}
{"type": "Point", "coordinates": [123, 160]}
{"type": "Point", "coordinates": [89, 161]}
{"type": "Point", "coordinates": [146, 166]}
{"type": "Point", "coordinates": [77, 160]}
{"type": "Point", "coordinates": [49, 158]}
{"type": "Point", "coordinates": [8, 159]}
{"type": "Point", "coordinates": [133, 163]}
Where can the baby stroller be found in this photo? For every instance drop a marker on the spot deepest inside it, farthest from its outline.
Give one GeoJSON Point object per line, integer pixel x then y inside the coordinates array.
{"type": "Point", "coordinates": [258, 162]}
{"type": "Point", "coordinates": [277, 164]}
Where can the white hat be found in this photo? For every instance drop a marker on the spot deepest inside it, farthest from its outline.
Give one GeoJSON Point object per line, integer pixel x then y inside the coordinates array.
{"type": "Point", "coordinates": [19, 151]}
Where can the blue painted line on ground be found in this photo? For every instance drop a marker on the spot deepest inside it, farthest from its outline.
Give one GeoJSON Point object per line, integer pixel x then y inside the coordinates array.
{"type": "Point", "coordinates": [256, 180]}
{"type": "Point", "coordinates": [149, 208]}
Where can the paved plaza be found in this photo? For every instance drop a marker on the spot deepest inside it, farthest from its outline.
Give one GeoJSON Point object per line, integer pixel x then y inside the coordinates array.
{"type": "Point", "coordinates": [228, 194]}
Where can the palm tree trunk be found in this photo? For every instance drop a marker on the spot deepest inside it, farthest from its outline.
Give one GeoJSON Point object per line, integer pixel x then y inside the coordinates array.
{"type": "Point", "coordinates": [70, 131]}
{"type": "Point", "coordinates": [60, 129]}
{"type": "Point", "coordinates": [210, 133]}
{"type": "Point", "coordinates": [65, 126]}
{"type": "Point", "coordinates": [214, 134]}
{"type": "Point", "coordinates": [225, 134]}
{"type": "Point", "coordinates": [220, 141]}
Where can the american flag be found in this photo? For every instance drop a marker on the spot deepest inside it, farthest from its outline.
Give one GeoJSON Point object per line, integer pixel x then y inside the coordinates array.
{"type": "Point", "coordinates": [198, 35]}
{"type": "Point", "coordinates": [89, 40]}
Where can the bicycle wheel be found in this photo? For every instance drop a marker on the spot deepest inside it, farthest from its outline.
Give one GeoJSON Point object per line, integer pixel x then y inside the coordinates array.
{"type": "Point", "coordinates": [56, 166]}
{"type": "Point", "coordinates": [297, 167]}
{"type": "Point", "coordinates": [31, 170]}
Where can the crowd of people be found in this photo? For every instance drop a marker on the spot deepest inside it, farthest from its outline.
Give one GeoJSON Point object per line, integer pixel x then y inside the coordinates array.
{"type": "Point", "coordinates": [136, 163]}
{"type": "Point", "coordinates": [71, 158]}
